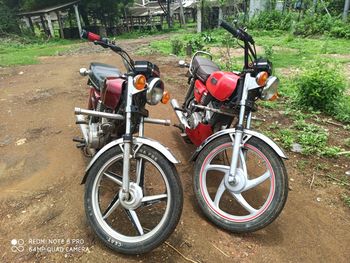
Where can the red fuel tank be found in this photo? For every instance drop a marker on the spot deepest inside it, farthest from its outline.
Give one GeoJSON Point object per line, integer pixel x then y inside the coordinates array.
{"type": "Point", "coordinates": [222, 84]}
{"type": "Point", "coordinates": [111, 93]}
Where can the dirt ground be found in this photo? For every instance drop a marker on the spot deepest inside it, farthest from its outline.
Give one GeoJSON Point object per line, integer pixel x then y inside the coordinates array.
{"type": "Point", "coordinates": [41, 197]}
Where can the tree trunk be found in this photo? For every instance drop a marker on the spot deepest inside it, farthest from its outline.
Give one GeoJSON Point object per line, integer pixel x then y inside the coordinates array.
{"type": "Point", "coordinates": [256, 6]}
{"type": "Point", "coordinates": [168, 14]}
{"type": "Point", "coordinates": [182, 14]}
{"type": "Point", "coordinates": [346, 10]}
{"type": "Point", "coordinates": [199, 17]}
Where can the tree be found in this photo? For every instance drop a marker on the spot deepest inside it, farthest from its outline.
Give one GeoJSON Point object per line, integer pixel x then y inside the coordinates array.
{"type": "Point", "coordinates": [346, 10]}
{"type": "Point", "coordinates": [8, 20]}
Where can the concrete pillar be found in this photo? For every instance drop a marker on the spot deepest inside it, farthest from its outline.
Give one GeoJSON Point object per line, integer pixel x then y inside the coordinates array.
{"type": "Point", "coordinates": [49, 23]}
{"type": "Point", "coordinates": [78, 18]}
{"type": "Point", "coordinates": [199, 17]}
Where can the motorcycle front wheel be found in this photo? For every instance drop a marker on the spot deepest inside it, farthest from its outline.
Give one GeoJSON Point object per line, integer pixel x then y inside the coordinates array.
{"type": "Point", "coordinates": [142, 223]}
{"type": "Point", "coordinates": [259, 193]}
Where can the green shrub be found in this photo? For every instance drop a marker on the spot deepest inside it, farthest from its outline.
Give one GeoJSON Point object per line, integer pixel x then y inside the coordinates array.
{"type": "Point", "coordinates": [313, 25]}
{"type": "Point", "coordinates": [176, 46]}
{"type": "Point", "coordinates": [340, 29]}
{"type": "Point", "coordinates": [271, 20]}
{"type": "Point", "coordinates": [320, 87]}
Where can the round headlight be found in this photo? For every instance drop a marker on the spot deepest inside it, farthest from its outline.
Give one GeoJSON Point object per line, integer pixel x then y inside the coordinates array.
{"type": "Point", "coordinates": [269, 92]}
{"type": "Point", "coordinates": [155, 91]}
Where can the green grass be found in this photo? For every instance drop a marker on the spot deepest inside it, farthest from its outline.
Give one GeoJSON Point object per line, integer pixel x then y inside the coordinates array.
{"type": "Point", "coordinates": [17, 53]}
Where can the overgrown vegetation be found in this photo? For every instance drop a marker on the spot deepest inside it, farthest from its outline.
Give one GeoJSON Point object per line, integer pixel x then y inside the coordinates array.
{"type": "Point", "coordinates": [16, 50]}
{"type": "Point", "coordinates": [320, 87]}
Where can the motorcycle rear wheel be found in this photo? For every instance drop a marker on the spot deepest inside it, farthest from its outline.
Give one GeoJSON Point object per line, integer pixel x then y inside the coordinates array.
{"type": "Point", "coordinates": [142, 227]}
{"type": "Point", "coordinates": [261, 189]}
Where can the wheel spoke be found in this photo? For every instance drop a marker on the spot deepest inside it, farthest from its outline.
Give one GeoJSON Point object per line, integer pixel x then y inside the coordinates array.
{"type": "Point", "coordinates": [112, 206]}
{"type": "Point", "coordinates": [114, 177]}
{"type": "Point", "coordinates": [140, 173]}
{"type": "Point", "coordinates": [135, 221]}
{"type": "Point", "coordinates": [218, 167]}
{"type": "Point", "coordinates": [241, 200]}
{"type": "Point", "coordinates": [219, 192]}
{"type": "Point", "coordinates": [153, 199]}
{"type": "Point", "coordinates": [256, 181]}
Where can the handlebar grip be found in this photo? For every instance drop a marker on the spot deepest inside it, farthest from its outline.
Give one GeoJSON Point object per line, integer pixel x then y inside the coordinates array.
{"type": "Point", "coordinates": [229, 28]}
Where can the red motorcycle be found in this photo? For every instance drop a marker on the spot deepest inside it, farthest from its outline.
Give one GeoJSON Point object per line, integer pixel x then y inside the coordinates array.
{"type": "Point", "coordinates": [133, 194]}
{"type": "Point", "coordinates": [240, 179]}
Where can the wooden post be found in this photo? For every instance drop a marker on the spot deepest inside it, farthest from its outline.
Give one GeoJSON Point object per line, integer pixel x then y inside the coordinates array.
{"type": "Point", "coordinates": [199, 17]}
{"type": "Point", "coordinates": [44, 25]}
{"type": "Point", "coordinates": [60, 24]}
{"type": "Point", "coordinates": [346, 10]}
{"type": "Point", "coordinates": [31, 24]}
{"type": "Point", "coordinates": [49, 23]}
{"type": "Point", "coordinates": [78, 19]}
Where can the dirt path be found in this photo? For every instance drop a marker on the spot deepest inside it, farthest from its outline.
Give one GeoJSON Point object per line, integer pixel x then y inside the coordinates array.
{"type": "Point", "coordinates": [41, 197]}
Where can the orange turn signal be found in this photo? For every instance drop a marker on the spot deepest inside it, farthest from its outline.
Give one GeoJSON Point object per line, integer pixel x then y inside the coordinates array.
{"type": "Point", "coordinates": [166, 97]}
{"type": "Point", "coordinates": [261, 78]}
{"type": "Point", "coordinates": [139, 82]}
{"type": "Point", "coordinates": [274, 97]}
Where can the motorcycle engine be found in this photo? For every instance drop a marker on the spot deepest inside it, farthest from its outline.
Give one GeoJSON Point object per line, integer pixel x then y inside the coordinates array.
{"type": "Point", "coordinates": [194, 119]}
{"type": "Point", "coordinates": [98, 133]}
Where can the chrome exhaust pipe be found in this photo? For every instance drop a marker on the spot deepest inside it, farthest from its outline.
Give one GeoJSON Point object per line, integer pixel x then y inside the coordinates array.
{"type": "Point", "coordinates": [179, 113]}
{"type": "Point", "coordinates": [83, 127]}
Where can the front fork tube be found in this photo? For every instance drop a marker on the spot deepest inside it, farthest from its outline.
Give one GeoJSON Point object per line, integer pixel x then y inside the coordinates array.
{"type": "Point", "coordinates": [127, 141]}
{"type": "Point", "coordinates": [230, 179]}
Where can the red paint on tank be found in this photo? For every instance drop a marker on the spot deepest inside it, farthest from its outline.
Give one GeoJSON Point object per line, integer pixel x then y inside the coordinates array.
{"type": "Point", "coordinates": [199, 134]}
{"type": "Point", "coordinates": [199, 90]}
{"type": "Point", "coordinates": [94, 97]}
{"type": "Point", "coordinates": [222, 84]}
{"type": "Point", "coordinates": [111, 92]}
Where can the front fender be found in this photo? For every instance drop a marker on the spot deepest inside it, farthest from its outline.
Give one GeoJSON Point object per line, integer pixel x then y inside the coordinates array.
{"type": "Point", "coordinates": [138, 141]}
{"type": "Point", "coordinates": [247, 135]}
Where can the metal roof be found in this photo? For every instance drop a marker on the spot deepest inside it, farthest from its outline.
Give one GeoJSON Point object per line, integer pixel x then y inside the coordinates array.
{"type": "Point", "coordinates": [48, 9]}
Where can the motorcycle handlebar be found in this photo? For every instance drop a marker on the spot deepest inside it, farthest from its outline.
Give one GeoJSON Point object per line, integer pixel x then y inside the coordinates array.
{"type": "Point", "coordinates": [237, 33]}
{"type": "Point", "coordinates": [93, 37]}
{"type": "Point", "coordinates": [229, 28]}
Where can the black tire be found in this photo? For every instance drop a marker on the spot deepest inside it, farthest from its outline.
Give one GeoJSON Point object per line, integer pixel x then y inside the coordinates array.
{"type": "Point", "coordinates": [276, 178]}
{"type": "Point", "coordinates": [116, 222]}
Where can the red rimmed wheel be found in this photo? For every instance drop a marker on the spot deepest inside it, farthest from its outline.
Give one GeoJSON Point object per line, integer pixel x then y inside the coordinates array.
{"type": "Point", "coordinates": [260, 190]}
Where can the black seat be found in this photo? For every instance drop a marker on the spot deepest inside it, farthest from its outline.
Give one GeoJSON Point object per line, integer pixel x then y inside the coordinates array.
{"type": "Point", "coordinates": [101, 71]}
{"type": "Point", "coordinates": [203, 67]}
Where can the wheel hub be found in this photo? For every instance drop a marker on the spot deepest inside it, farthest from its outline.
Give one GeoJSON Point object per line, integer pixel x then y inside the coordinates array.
{"type": "Point", "coordinates": [239, 182]}
{"type": "Point", "coordinates": [135, 197]}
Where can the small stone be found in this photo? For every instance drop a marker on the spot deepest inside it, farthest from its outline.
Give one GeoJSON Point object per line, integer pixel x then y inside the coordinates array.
{"type": "Point", "coordinates": [347, 173]}
{"type": "Point", "coordinates": [318, 199]}
{"type": "Point", "coordinates": [290, 188]}
{"type": "Point", "coordinates": [297, 148]}
{"type": "Point", "coordinates": [291, 179]}
{"type": "Point", "coordinates": [21, 141]}
{"type": "Point", "coordinates": [21, 73]}
{"type": "Point", "coordinates": [24, 211]}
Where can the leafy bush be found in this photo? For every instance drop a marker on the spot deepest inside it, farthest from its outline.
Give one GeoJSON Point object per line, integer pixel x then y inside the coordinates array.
{"type": "Point", "coordinates": [176, 46]}
{"type": "Point", "coordinates": [340, 29]}
{"type": "Point", "coordinates": [313, 25]}
{"type": "Point", "coordinates": [271, 20]}
{"type": "Point", "coordinates": [320, 87]}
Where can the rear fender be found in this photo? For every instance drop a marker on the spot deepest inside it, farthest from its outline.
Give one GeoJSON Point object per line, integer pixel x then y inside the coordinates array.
{"type": "Point", "coordinates": [138, 141]}
{"type": "Point", "coordinates": [247, 134]}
